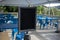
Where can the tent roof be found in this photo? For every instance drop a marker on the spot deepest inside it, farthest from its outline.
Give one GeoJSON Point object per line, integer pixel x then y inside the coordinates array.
{"type": "Point", "coordinates": [25, 3]}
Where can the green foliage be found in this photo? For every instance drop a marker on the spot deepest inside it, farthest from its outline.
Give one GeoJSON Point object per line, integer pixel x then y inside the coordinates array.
{"type": "Point", "coordinates": [9, 8]}
{"type": "Point", "coordinates": [40, 9]}
{"type": "Point", "coordinates": [45, 10]}
{"type": "Point", "coordinates": [12, 8]}
{"type": "Point", "coordinates": [2, 8]}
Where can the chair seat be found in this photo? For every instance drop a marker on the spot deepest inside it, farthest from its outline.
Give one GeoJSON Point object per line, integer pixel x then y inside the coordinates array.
{"type": "Point", "coordinates": [19, 37]}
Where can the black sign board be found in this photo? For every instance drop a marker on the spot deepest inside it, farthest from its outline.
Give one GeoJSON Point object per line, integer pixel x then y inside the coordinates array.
{"type": "Point", "coordinates": [27, 18]}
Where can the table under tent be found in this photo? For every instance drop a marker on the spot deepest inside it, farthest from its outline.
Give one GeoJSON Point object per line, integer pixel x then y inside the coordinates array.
{"type": "Point", "coordinates": [26, 20]}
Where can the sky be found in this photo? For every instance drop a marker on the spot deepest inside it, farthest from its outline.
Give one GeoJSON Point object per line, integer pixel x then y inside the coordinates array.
{"type": "Point", "coordinates": [52, 4]}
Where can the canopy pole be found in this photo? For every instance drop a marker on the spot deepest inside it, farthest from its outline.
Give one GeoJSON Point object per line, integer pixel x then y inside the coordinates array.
{"type": "Point", "coordinates": [49, 9]}
{"type": "Point", "coordinates": [19, 19]}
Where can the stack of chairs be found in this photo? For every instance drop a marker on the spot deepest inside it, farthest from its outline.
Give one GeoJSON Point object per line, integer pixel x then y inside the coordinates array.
{"type": "Point", "coordinates": [19, 36]}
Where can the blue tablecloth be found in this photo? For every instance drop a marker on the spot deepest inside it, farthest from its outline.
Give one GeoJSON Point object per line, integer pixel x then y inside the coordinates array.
{"type": "Point", "coordinates": [8, 26]}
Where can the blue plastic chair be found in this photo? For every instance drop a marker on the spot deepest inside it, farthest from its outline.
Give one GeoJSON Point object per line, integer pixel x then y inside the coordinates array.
{"type": "Point", "coordinates": [22, 33]}
{"type": "Point", "coordinates": [56, 24]}
{"type": "Point", "coordinates": [15, 20]}
{"type": "Point", "coordinates": [13, 32]}
{"type": "Point", "coordinates": [2, 21]}
{"type": "Point", "coordinates": [7, 17]}
{"type": "Point", "coordinates": [40, 21]}
{"type": "Point", "coordinates": [43, 26]}
{"type": "Point", "coordinates": [20, 36]}
{"type": "Point", "coordinates": [47, 21]}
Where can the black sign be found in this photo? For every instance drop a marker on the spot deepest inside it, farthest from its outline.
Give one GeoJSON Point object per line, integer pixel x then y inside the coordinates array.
{"type": "Point", "coordinates": [27, 18]}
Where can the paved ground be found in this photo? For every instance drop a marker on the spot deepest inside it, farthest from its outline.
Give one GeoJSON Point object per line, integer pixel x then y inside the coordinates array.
{"type": "Point", "coordinates": [45, 35]}
{"type": "Point", "coordinates": [51, 36]}
{"type": "Point", "coordinates": [34, 37]}
{"type": "Point", "coordinates": [41, 35]}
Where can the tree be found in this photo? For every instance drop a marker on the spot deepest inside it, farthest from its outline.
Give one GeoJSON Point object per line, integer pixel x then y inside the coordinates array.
{"type": "Point", "coordinates": [2, 8]}
{"type": "Point", "coordinates": [40, 9]}
{"type": "Point", "coordinates": [11, 8]}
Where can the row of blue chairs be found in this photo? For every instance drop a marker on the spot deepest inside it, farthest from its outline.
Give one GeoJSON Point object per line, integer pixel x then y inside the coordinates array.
{"type": "Point", "coordinates": [46, 20]}
{"type": "Point", "coordinates": [4, 18]}
{"type": "Point", "coordinates": [7, 18]}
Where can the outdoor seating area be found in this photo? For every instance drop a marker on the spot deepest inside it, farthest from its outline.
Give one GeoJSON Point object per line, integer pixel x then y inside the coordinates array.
{"type": "Point", "coordinates": [9, 22]}
{"type": "Point", "coordinates": [29, 19]}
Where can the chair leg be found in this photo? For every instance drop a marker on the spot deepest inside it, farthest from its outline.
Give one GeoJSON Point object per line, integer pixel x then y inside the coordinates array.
{"type": "Point", "coordinates": [27, 37]}
{"type": "Point", "coordinates": [15, 36]}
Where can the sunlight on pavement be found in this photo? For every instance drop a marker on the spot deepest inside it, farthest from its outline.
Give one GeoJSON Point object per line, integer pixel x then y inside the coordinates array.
{"type": "Point", "coordinates": [33, 37]}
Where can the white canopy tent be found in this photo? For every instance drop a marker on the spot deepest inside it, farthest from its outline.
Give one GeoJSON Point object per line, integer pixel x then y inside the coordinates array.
{"type": "Point", "coordinates": [25, 3]}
